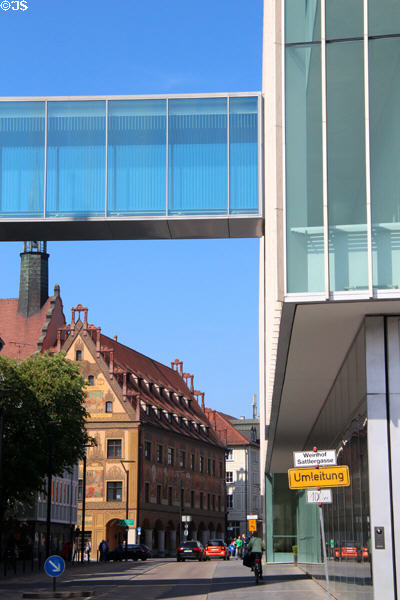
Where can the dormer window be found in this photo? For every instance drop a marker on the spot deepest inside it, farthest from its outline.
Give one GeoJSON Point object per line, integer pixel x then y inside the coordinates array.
{"type": "Point", "coordinates": [109, 407]}
{"type": "Point", "coordinates": [78, 355]}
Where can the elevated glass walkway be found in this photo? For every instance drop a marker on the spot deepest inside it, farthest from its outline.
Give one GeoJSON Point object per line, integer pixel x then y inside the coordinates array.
{"type": "Point", "coordinates": [130, 167]}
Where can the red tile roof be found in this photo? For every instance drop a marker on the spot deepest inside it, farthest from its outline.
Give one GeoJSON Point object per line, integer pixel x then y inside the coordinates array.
{"type": "Point", "coordinates": [224, 428]}
{"type": "Point", "coordinates": [22, 336]}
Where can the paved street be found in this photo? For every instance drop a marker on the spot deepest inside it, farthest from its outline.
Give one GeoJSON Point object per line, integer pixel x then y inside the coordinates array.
{"type": "Point", "coordinates": [165, 578]}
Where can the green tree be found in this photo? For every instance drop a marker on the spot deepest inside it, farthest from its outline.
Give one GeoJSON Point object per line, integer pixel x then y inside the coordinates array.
{"type": "Point", "coordinates": [43, 400]}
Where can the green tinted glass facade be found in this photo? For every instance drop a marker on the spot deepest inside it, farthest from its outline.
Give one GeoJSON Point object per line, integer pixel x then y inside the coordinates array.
{"type": "Point", "coordinates": [342, 140]}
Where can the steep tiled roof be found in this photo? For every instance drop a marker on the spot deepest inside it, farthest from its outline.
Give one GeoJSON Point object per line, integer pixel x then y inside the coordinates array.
{"type": "Point", "coordinates": [224, 428]}
{"type": "Point", "coordinates": [22, 336]}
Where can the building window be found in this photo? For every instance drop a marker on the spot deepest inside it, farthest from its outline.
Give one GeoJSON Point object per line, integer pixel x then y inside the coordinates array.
{"type": "Point", "coordinates": [201, 464]}
{"type": "Point", "coordinates": [159, 494]}
{"type": "Point", "coordinates": [220, 469]}
{"type": "Point", "coordinates": [209, 466]}
{"type": "Point", "coordinates": [213, 501]}
{"type": "Point", "coordinates": [147, 492]}
{"type": "Point", "coordinates": [171, 456]}
{"type": "Point", "coordinates": [147, 450]}
{"type": "Point", "coordinates": [229, 501]}
{"type": "Point", "coordinates": [109, 407]}
{"type": "Point", "coordinates": [114, 491]}
{"type": "Point", "coordinates": [182, 458]}
{"type": "Point", "coordinates": [78, 355]}
{"type": "Point", "coordinates": [229, 476]}
{"type": "Point", "coordinates": [192, 499]}
{"type": "Point", "coordinates": [219, 503]}
{"type": "Point", "coordinates": [170, 496]}
{"type": "Point", "coordinates": [208, 501]}
{"type": "Point", "coordinates": [91, 380]}
{"type": "Point", "coordinates": [213, 467]}
{"type": "Point", "coordinates": [192, 462]}
{"type": "Point", "coordinates": [114, 448]}
{"type": "Point", "coordinates": [182, 498]}
{"type": "Point", "coordinates": [159, 453]}
{"type": "Point", "coordinates": [229, 454]}
{"type": "Point", "coordinates": [201, 499]}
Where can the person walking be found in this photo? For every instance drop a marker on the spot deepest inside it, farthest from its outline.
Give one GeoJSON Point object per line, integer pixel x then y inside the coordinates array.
{"type": "Point", "coordinates": [239, 546]}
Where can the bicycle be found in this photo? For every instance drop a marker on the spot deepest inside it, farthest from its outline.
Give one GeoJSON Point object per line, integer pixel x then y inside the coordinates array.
{"type": "Point", "coordinates": [257, 568]}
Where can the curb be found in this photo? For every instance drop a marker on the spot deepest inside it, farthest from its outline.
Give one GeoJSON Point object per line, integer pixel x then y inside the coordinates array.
{"type": "Point", "coordinates": [59, 594]}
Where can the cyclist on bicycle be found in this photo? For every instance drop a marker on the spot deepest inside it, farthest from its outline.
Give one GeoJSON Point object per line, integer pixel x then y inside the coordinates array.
{"type": "Point", "coordinates": [255, 548]}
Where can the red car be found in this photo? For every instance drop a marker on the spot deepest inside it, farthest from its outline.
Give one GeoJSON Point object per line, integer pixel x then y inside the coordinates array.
{"type": "Point", "coordinates": [217, 549]}
{"type": "Point", "coordinates": [351, 550]}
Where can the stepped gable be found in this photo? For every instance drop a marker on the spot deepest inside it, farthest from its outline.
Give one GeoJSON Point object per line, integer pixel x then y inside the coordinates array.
{"type": "Point", "coordinates": [160, 387]}
{"type": "Point", "coordinates": [224, 428]}
{"type": "Point", "coordinates": [22, 336]}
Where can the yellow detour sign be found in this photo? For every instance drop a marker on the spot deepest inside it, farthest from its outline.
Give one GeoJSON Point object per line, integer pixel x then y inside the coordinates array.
{"type": "Point", "coordinates": [322, 477]}
{"type": "Point", "coordinates": [252, 525]}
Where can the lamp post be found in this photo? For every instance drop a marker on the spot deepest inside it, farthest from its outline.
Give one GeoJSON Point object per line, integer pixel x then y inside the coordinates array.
{"type": "Point", "coordinates": [122, 461]}
{"type": "Point", "coordinates": [83, 507]}
{"type": "Point", "coordinates": [178, 473]}
{"type": "Point", "coordinates": [3, 392]}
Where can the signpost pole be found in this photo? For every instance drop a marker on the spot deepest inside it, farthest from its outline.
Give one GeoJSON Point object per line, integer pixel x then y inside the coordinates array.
{"type": "Point", "coordinates": [321, 516]}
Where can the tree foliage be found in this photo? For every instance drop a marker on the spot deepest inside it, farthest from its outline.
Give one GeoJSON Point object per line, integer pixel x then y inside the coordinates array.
{"type": "Point", "coordinates": [43, 400]}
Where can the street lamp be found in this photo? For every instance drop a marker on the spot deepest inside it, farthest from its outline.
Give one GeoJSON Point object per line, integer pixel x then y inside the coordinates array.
{"type": "Point", "coordinates": [127, 501]}
{"type": "Point", "coordinates": [178, 473]}
{"type": "Point", "coordinates": [3, 392]}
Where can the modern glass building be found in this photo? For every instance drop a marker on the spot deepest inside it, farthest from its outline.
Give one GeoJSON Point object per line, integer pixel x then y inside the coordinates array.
{"type": "Point", "coordinates": [132, 166]}
{"type": "Point", "coordinates": [330, 283]}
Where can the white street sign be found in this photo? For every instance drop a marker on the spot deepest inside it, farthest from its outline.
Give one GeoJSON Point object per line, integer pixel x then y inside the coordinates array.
{"type": "Point", "coordinates": [322, 458]}
{"type": "Point", "coordinates": [251, 517]}
{"type": "Point", "coordinates": [315, 496]}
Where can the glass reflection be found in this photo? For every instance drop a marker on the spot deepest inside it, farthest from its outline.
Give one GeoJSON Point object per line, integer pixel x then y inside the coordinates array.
{"type": "Point", "coordinates": [243, 155]}
{"type": "Point", "coordinates": [346, 167]}
{"type": "Point", "coordinates": [22, 138]}
{"type": "Point", "coordinates": [384, 60]}
{"type": "Point", "coordinates": [76, 158]}
{"type": "Point", "coordinates": [304, 206]}
{"type": "Point", "coordinates": [383, 17]}
{"type": "Point", "coordinates": [302, 21]}
{"type": "Point", "coordinates": [136, 157]}
{"type": "Point", "coordinates": [197, 156]}
{"type": "Point", "coordinates": [344, 19]}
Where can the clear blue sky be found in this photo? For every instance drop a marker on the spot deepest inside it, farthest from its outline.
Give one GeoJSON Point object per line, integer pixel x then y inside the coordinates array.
{"type": "Point", "coordinates": [196, 300]}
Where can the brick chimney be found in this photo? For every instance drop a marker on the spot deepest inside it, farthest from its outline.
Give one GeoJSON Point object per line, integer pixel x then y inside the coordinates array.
{"type": "Point", "coordinates": [34, 278]}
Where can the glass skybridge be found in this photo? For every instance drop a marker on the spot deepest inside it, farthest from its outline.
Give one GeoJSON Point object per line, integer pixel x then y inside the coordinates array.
{"type": "Point", "coordinates": [130, 167]}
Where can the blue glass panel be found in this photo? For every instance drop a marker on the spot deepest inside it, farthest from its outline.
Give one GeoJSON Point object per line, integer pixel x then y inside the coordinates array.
{"type": "Point", "coordinates": [22, 136]}
{"type": "Point", "coordinates": [384, 82]}
{"type": "Point", "coordinates": [302, 21]}
{"type": "Point", "coordinates": [304, 204]}
{"type": "Point", "coordinates": [197, 170]}
{"type": "Point", "coordinates": [243, 136]}
{"type": "Point", "coordinates": [344, 19]}
{"type": "Point", "coordinates": [76, 158]}
{"type": "Point", "coordinates": [136, 157]}
{"type": "Point", "coordinates": [348, 255]}
{"type": "Point", "coordinates": [383, 17]}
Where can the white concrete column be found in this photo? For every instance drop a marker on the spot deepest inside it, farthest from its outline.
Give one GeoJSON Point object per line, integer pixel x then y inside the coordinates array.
{"type": "Point", "coordinates": [132, 535]}
{"type": "Point", "coordinates": [161, 541]}
{"type": "Point", "coordinates": [148, 538]}
{"type": "Point", "coordinates": [378, 458]}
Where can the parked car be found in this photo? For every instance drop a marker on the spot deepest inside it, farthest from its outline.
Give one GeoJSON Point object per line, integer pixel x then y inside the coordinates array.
{"type": "Point", "coordinates": [191, 550]}
{"type": "Point", "coordinates": [132, 552]}
{"type": "Point", "coordinates": [217, 549]}
{"type": "Point", "coordinates": [351, 550]}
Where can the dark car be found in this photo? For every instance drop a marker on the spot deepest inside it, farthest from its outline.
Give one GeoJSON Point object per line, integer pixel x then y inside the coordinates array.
{"type": "Point", "coordinates": [217, 549]}
{"type": "Point", "coordinates": [193, 550]}
{"type": "Point", "coordinates": [133, 552]}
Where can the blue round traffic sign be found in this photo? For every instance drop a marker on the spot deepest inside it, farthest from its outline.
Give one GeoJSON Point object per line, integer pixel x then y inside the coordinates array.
{"type": "Point", "coordinates": [54, 566]}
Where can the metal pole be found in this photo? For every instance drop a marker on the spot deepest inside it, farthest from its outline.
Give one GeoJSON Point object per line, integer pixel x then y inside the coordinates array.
{"type": "Point", "coordinates": [49, 486]}
{"type": "Point", "coordinates": [321, 516]}
{"type": "Point", "coordinates": [127, 495]}
{"type": "Point", "coordinates": [1, 478]}
{"type": "Point", "coordinates": [83, 507]}
{"type": "Point", "coordinates": [180, 511]}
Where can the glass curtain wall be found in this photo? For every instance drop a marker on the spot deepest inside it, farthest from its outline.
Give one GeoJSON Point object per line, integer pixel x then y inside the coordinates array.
{"type": "Point", "coordinates": [161, 156]}
{"type": "Point", "coordinates": [348, 170]}
{"type": "Point", "coordinates": [22, 151]}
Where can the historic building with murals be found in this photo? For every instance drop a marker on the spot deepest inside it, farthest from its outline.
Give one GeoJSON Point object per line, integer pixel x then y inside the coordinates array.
{"type": "Point", "coordinates": [157, 458]}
